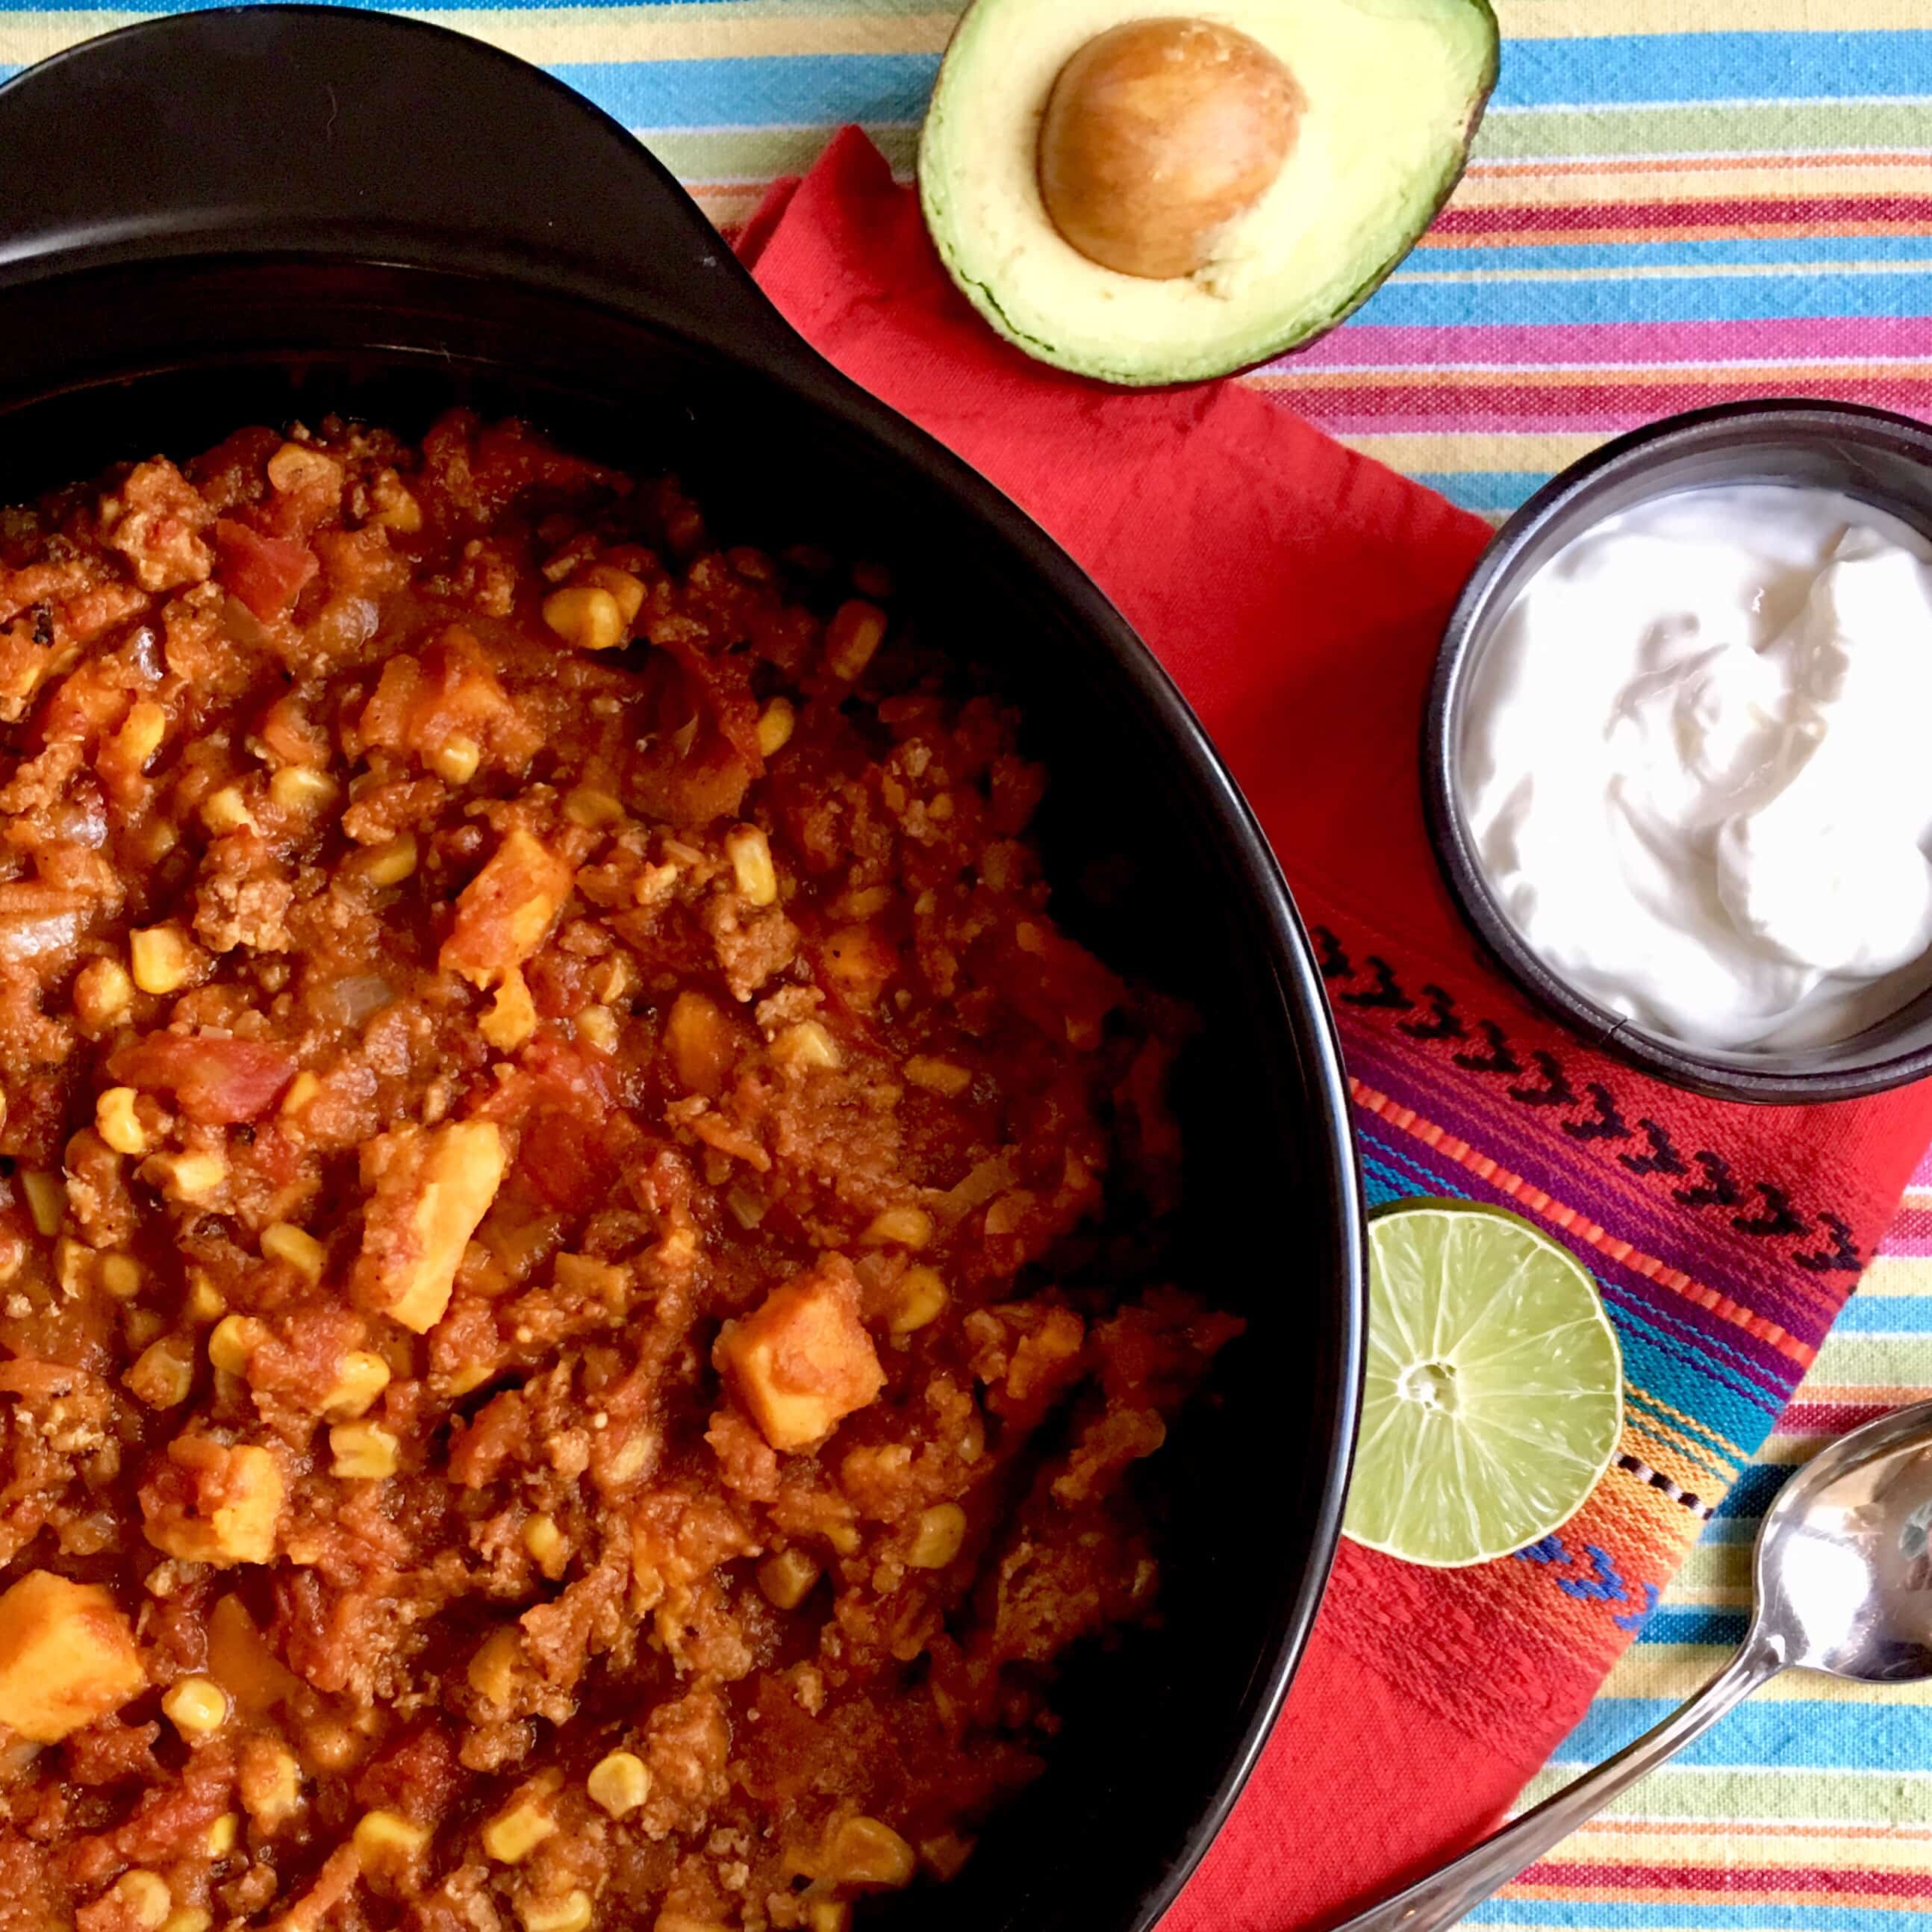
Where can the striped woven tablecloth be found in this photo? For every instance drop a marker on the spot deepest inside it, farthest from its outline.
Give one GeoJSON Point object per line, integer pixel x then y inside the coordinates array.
{"type": "Point", "coordinates": [1671, 202]}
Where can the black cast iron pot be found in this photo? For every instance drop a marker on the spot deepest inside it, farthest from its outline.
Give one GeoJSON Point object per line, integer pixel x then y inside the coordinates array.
{"type": "Point", "coordinates": [272, 212]}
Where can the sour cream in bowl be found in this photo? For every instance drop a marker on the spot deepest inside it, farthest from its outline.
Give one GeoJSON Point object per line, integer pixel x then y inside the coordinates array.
{"type": "Point", "coordinates": [1680, 754]}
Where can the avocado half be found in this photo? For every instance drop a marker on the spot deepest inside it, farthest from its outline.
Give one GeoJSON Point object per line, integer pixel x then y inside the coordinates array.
{"type": "Point", "coordinates": [1392, 91]}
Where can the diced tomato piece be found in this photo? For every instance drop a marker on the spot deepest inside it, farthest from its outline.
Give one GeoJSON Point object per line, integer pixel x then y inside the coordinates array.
{"type": "Point", "coordinates": [267, 573]}
{"type": "Point", "coordinates": [566, 1161]}
{"type": "Point", "coordinates": [216, 1081]}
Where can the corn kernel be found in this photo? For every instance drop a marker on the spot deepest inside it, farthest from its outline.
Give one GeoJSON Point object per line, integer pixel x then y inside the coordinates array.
{"type": "Point", "coordinates": [161, 958]}
{"type": "Point", "coordinates": [456, 759]}
{"type": "Point", "coordinates": [195, 1178]}
{"type": "Point", "coordinates": [363, 1452]}
{"type": "Point", "coordinates": [142, 1326]}
{"type": "Point", "coordinates": [189, 1918]}
{"type": "Point", "coordinates": [223, 1834]}
{"type": "Point", "coordinates": [627, 589]}
{"type": "Point", "coordinates": [776, 723]}
{"type": "Point", "coordinates": [204, 1302]}
{"type": "Point", "coordinates": [46, 1199]}
{"type": "Point", "coordinates": [493, 1670]}
{"type": "Point", "coordinates": [590, 808]}
{"type": "Point", "coordinates": [146, 1896]}
{"type": "Point", "coordinates": [195, 1706]}
{"type": "Point", "coordinates": [362, 1377]}
{"type": "Point", "coordinates": [282, 1241]}
{"type": "Point", "coordinates": [162, 1373]}
{"type": "Point", "coordinates": [856, 631]}
{"type": "Point", "coordinates": [271, 1788]}
{"type": "Point", "coordinates": [74, 1266]}
{"type": "Point", "coordinates": [807, 1044]}
{"type": "Point", "coordinates": [546, 1545]}
{"type": "Point", "coordinates": [920, 1297]}
{"type": "Point", "coordinates": [936, 1537]}
{"type": "Point", "coordinates": [302, 1089]}
{"type": "Point", "coordinates": [864, 1852]}
{"type": "Point", "coordinates": [297, 467]}
{"type": "Point", "coordinates": [829, 1915]}
{"type": "Point", "coordinates": [591, 619]}
{"type": "Point", "coordinates": [391, 864]}
{"type": "Point", "coordinates": [902, 1227]}
{"type": "Point", "coordinates": [750, 853]}
{"type": "Point", "coordinates": [226, 811]}
{"type": "Point", "coordinates": [618, 1783]}
{"type": "Point", "coordinates": [597, 1027]}
{"type": "Point", "coordinates": [115, 1123]}
{"type": "Point", "coordinates": [385, 1838]}
{"type": "Point", "coordinates": [571, 1913]}
{"type": "Point", "coordinates": [121, 1276]}
{"type": "Point", "coordinates": [938, 1076]}
{"type": "Point", "coordinates": [141, 733]}
{"type": "Point", "coordinates": [513, 1834]}
{"type": "Point", "coordinates": [235, 1338]}
{"type": "Point", "coordinates": [103, 992]}
{"type": "Point", "coordinates": [396, 508]}
{"type": "Point", "coordinates": [512, 1016]}
{"type": "Point", "coordinates": [787, 1578]}
{"type": "Point", "coordinates": [301, 788]}
{"type": "Point", "coordinates": [946, 1853]}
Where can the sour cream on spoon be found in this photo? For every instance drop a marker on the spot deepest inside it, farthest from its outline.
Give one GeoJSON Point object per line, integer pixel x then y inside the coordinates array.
{"type": "Point", "coordinates": [1694, 765]}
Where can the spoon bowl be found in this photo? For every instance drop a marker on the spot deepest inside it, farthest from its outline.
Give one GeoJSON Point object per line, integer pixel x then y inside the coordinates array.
{"type": "Point", "coordinates": [1843, 1573]}
{"type": "Point", "coordinates": [1842, 1578]}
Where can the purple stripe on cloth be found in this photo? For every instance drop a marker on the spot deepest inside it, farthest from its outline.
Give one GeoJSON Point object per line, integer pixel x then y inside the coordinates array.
{"type": "Point", "coordinates": [1369, 345]}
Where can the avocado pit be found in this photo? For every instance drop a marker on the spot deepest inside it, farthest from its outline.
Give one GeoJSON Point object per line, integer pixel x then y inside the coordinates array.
{"type": "Point", "coordinates": [1159, 133]}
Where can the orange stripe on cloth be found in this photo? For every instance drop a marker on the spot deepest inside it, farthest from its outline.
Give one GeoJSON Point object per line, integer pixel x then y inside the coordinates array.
{"type": "Point", "coordinates": [1407, 1121]}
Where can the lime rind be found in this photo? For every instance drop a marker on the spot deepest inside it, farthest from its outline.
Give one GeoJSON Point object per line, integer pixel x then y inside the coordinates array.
{"type": "Point", "coordinates": [1492, 1401]}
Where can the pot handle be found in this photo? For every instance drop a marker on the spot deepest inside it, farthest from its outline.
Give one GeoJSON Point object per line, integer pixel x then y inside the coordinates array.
{"type": "Point", "coordinates": [290, 129]}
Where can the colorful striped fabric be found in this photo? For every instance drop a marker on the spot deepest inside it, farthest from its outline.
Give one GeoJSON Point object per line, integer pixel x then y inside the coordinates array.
{"type": "Point", "coordinates": [1671, 202]}
{"type": "Point", "coordinates": [1812, 1806]}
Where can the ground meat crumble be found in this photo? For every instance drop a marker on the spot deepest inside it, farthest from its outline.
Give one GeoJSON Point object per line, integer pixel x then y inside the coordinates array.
{"type": "Point", "coordinates": [557, 1364]}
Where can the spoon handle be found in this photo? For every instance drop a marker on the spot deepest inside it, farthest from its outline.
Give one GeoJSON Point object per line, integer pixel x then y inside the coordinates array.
{"type": "Point", "coordinates": [1444, 1896]}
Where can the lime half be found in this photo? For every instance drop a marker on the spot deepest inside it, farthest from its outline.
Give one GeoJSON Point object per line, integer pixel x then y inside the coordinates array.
{"type": "Point", "coordinates": [1494, 1393]}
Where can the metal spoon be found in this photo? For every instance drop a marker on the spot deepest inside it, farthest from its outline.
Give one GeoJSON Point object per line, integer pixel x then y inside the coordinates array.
{"type": "Point", "coordinates": [1843, 1579]}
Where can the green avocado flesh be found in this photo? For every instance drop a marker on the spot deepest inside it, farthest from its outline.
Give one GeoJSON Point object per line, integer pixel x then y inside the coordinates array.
{"type": "Point", "coordinates": [1391, 90]}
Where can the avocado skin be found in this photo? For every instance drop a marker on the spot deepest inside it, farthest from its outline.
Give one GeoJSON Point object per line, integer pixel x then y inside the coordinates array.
{"type": "Point", "coordinates": [1296, 335]}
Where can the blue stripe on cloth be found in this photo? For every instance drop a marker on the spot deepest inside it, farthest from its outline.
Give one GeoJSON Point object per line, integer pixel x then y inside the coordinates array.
{"type": "Point", "coordinates": [1773, 1731]}
{"type": "Point", "coordinates": [1608, 71]}
{"type": "Point", "coordinates": [1621, 1913]}
{"type": "Point", "coordinates": [1886, 1314]}
{"type": "Point", "coordinates": [786, 90]}
{"type": "Point", "coordinates": [1751, 1494]}
{"type": "Point", "coordinates": [1776, 295]}
{"type": "Point", "coordinates": [1685, 1624]}
{"type": "Point", "coordinates": [1670, 251]}
{"type": "Point", "coordinates": [1485, 491]}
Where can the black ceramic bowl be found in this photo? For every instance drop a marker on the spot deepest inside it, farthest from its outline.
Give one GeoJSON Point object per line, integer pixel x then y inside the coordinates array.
{"type": "Point", "coordinates": [252, 214]}
{"type": "Point", "coordinates": [1871, 454]}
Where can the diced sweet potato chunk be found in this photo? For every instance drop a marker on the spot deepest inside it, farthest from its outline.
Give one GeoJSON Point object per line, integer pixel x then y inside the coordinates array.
{"type": "Point", "coordinates": [67, 1656]}
{"type": "Point", "coordinates": [432, 1187]}
{"type": "Point", "coordinates": [804, 1361]}
{"type": "Point", "coordinates": [214, 1502]}
{"type": "Point", "coordinates": [504, 914]}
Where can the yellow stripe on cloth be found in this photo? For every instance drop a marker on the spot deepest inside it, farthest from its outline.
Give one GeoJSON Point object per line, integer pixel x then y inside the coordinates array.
{"type": "Point", "coordinates": [1578, 19]}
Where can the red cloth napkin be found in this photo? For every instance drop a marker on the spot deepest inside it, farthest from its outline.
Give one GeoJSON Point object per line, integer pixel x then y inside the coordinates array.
{"type": "Point", "coordinates": [1296, 592]}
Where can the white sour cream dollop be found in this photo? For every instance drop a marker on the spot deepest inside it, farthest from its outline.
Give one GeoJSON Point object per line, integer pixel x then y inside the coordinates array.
{"type": "Point", "coordinates": [1696, 763]}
